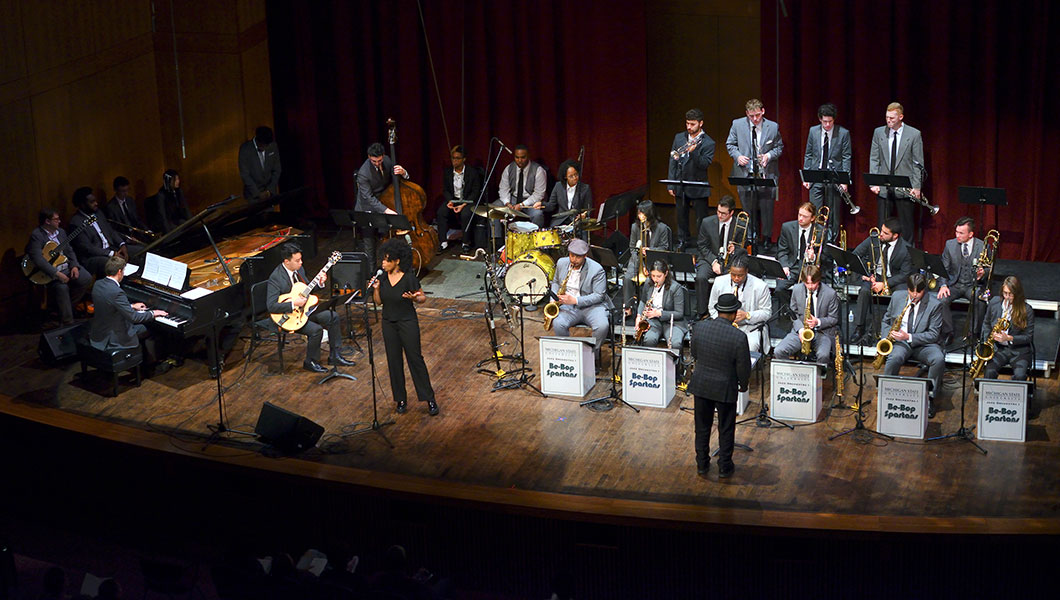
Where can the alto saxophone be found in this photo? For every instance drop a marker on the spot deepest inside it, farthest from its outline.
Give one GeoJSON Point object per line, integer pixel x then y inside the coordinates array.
{"type": "Point", "coordinates": [642, 323]}
{"type": "Point", "coordinates": [806, 334]}
{"type": "Point", "coordinates": [885, 345]}
{"type": "Point", "coordinates": [985, 350]}
{"type": "Point", "coordinates": [551, 310]}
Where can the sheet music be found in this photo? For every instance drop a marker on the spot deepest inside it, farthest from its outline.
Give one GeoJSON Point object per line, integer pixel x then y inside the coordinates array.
{"type": "Point", "coordinates": [196, 292]}
{"type": "Point", "coordinates": [165, 271]}
{"type": "Point", "coordinates": [130, 269]}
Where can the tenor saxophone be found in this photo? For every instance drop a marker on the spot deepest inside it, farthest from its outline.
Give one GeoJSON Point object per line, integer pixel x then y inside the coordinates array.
{"type": "Point", "coordinates": [885, 345]}
{"type": "Point", "coordinates": [551, 310]}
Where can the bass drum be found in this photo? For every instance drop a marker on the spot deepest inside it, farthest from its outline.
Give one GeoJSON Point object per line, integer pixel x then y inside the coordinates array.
{"type": "Point", "coordinates": [530, 274]}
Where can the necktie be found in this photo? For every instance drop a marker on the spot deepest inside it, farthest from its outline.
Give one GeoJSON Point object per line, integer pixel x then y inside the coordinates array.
{"type": "Point", "coordinates": [964, 250]}
{"type": "Point", "coordinates": [886, 259]}
{"type": "Point", "coordinates": [261, 155]}
{"type": "Point", "coordinates": [519, 189]}
{"type": "Point", "coordinates": [894, 150]}
{"type": "Point", "coordinates": [754, 149]}
{"type": "Point", "coordinates": [912, 318]}
{"type": "Point", "coordinates": [724, 246]}
{"type": "Point", "coordinates": [736, 292]}
{"type": "Point", "coordinates": [124, 212]}
{"type": "Point", "coordinates": [294, 277]}
{"type": "Point", "coordinates": [824, 151]}
{"type": "Point", "coordinates": [813, 306]}
{"type": "Point", "coordinates": [802, 246]}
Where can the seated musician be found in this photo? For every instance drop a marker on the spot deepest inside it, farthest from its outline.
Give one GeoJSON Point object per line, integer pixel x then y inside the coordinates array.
{"type": "Point", "coordinates": [98, 241]}
{"type": "Point", "coordinates": [794, 248]}
{"type": "Point", "coordinates": [892, 265]}
{"type": "Point", "coordinates": [373, 177]}
{"type": "Point", "coordinates": [962, 274]}
{"type": "Point", "coordinates": [569, 194]}
{"type": "Point", "coordinates": [281, 281]}
{"type": "Point", "coordinates": [753, 294]}
{"type": "Point", "coordinates": [918, 333]}
{"type": "Point", "coordinates": [667, 298]}
{"type": "Point", "coordinates": [522, 186]}
{"type": "Point", "coordinates": [167, 209]}
{"type": "Point", "coordinates": [715, 238]}
{"type": "Point", "coordinates": [1012, 345]}
{"type": "Point", "coordinates": [583, 301]}
{"type": "Point", "coordinates": [460, 184]}
{"type": "Point", "coordinates": [823, 317]}
{"type": "Point", "coordinates": [116, 322]}
{"type": "Point", "coordinates": [69, 281]}
{"type": "Point", "coordinates": [121, 212]}
{"type": "Point", "coordinates": [646, 233]}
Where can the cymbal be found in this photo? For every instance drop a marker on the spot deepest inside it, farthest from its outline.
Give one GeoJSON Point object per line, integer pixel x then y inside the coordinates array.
{"type": "Point", "coordinates": [567, 213]}
{"type": "Point", "coordinates": [499, 212]}
{"type": "Point", "coordinates": [589, 225]}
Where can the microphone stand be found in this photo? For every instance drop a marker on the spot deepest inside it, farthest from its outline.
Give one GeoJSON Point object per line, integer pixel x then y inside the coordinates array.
{"type": "Point", "coordinates": [606, 403]}
{"type": "Point", "coordinates": [763, 418]}
{"type": "Point", "coordinates": [221, 427]}
{"type": "Point", "coordinates": [523, 379]}
{"type": "Point", "coordinates": [375, 425]}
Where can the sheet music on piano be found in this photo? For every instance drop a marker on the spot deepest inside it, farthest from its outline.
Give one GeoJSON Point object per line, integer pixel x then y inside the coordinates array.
{"type": "Point", "coordinates": [164, 271]}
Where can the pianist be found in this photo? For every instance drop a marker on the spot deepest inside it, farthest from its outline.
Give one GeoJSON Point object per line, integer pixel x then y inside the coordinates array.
{"type": "Point", "coordinates": [118, 323]}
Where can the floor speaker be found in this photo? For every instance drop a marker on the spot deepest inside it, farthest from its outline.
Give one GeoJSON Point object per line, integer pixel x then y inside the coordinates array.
{"type": "Point", "coordinates": [286, 431]}
{"type": "Point", "coordinates": [59, 344]}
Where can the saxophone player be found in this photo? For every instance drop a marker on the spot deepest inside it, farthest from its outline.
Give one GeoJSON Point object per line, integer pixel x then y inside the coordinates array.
{"type": "Point", "coordinates": [819, 301]}
{"type": "Point", "coordinates": [582, 302]}
{"type": "Point", "coordinates": [667, 300]}
{"type": "Point", "coordinates": [918, 333]}
{"type": "Point", "coordinates": [1012, 346]}
{"type": "Point", "coordinates": [753, 295]}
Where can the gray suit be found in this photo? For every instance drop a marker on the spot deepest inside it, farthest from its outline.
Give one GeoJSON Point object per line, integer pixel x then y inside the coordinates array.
{"type": "Point", "coordinates": [838, 159]}
{"type": "Point", "coordinates": [760, 205]}
{"type": "Point", "coordinates": [1017, 353]}
{"type": "Point", "coordinates": [788, 256]}
{"type": "Point", "coordinates": [961, 280]}
{"type": "Point", "coordinates": [673, 305]}
{"type": "Point", "coordinates": [590, 309]}
{"type": "Point", "coordinates": [65, 295]}
{"type": "Point", "coordinates": [723, 369]}
{"type": "Point", "coordinates": [910, 152]}
{"type": "Point", "coordinates": [557, 201]}
{"type": "Point", "coordinates": [115, 323]}
{"type": "Point", "coordinates": [826, 309]}
{"type": "Point", "coordinates": [691, 167]}
{"type": "Point", "coordinates": [259, 177]}
{"type": "Point", "coordinates": [754, 300]}
{"type": "Point", "coordinates": [926, 332]}
{"type": "Point", "coordinates": [370, 184]}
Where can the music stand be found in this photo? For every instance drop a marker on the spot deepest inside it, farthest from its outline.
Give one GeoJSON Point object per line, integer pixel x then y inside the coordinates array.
{"type": "Point", "coordinates": [888, 181]}
{"type": "Point", "coordinates": [680, 262]}
{"type": "Point", "coordinates": [982, 196]}
{"type": "Point", "coordinates": [342, 218]}
{"type": "Point", "coordinates": [754, 183]}
{"type": "Point", "coordinates": [762, 267]}
{"type": "Point", "coordinates": [607, 260]}
{"type": "Point", "coordinates": [620, 204]}
{"type": "Point", "coordinates": [922, 261]}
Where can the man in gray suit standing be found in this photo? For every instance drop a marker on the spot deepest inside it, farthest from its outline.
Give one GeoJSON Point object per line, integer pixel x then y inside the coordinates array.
{"type": "Point", "coordinates": [582, 303]}
{"type": "Point", "coordinates": [723, 370]}
{"type": "Point", "coordinates": [918, 335]}
{"type": "Point", "coordinates": [755, 144]}
{"type": "Point", "coordinates": [372, 178]}
{"type": "Point", "coordinates": [898, 149]}
{"type": "Point", "coordinates": [259, 166]}
{"type": "Point", "coordinates": [824, 317]}
{"type": "Point", "coordinates": [116, 322]}
{"type": "Point", "coordinates": [827, 148]}
{"type": "Point", "coordinates": [690, 157]}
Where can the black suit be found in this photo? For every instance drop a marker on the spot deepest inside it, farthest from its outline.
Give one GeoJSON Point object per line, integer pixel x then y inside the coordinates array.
{"type": "Point", "coordinates": [1018, 352]}
{"type": "Point", "coordinates": [692, 167]}
{"type": "Point", "coordinates": [280, 283]}
{"type": "Point", "coordinates": [900, 266]}
{"type": "Point", "coordinates": [723, 369]}
{"type": "Point", "coordinates": [557, 201]}
{"type": "Point", "coordinates": [65, 295]}
{"type": "Point", "coordinates": [371, 182]}
{"type": "Point", "coordinates": [447, 219]}
{"type": "Point", "coordinates": [166, 210]}
{"type": "Point", "coordinates": [125, 214]}
{"type": "Point", "coordinates": [89, 244]}
{"type": "Point", "coordinates": [709, 244]}
{"type": "Point", "coordinates": [259, 175]}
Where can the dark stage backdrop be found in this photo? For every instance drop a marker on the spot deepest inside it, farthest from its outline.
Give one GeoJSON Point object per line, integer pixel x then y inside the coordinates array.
{"type": "Point", "coordinates": [553, 75]}
{"type": "Point", "coordinates": [977, 78]}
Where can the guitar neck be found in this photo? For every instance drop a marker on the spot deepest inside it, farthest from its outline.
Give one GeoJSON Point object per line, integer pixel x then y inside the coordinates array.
{"type": "Point", "coordinates": [70, 238]}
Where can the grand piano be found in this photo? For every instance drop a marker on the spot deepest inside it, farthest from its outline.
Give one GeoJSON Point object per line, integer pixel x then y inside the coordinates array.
{"type": "Point", "coordinates": [246, 235]}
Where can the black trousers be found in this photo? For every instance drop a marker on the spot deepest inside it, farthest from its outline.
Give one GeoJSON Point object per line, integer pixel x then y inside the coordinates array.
{"type": "Point", "coordinates": [370, 243]}
{"type": "Point", "coordinates": [704, 417]}
{"type": "Point", "coordinates": [314, 332]}
{"type": "Point", "coordinates": [1018, 358]}
{"type": "Point", "coordinates": [759, 207]}
{"type": "Point", "coordinates": [446, 219]}
{"type": "Point", "coordinates": [906, 214]}
{"type": "Point", "coordinates": [960, 291]}
{"type": "Point", "coordinates": [702, 208]}
{"type": "Point", "coordinates": [705, 276]}
{"type": "Point", "coordinates": [404, 336]}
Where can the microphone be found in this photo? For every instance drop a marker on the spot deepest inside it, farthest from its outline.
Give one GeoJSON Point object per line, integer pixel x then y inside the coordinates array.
{"type": "Point", "coordinates": [503, 147]}
{"type": "Point", "coordinates": [375, 277]}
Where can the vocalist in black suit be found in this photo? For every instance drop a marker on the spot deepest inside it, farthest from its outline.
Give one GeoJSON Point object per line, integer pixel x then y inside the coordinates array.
{"type": "Point", "coordinates": [283, 278]}
{"type": "Point", "coordinates": [723, 369]}
{"type": "Point", "coordinates": [396, 290]}
{"type": "Point", "coordinates": [690, 165]}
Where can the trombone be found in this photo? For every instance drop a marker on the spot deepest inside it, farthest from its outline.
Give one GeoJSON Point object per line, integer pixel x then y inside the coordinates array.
{"type": "Point", "coordinates": [739, 232]}
{"type": "Point", "coordinates": [985, 261]}
{"type": "Point", "coordinates": [876, 262]}
{"type": "Point", "coordinates": [819, 229]}
{"type": "Point", "coordinates": [640, 276]}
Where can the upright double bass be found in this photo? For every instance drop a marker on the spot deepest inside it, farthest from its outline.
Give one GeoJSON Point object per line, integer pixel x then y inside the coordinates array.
{"type": "Point", "coordinates": [407, 198]}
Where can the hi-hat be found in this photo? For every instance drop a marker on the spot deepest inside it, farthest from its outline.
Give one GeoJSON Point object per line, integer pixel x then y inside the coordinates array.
{"type": "Point", "coordinates": [499, 212]}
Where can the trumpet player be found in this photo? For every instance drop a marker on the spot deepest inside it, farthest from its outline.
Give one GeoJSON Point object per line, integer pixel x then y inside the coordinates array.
{"type": "Point", "coordinates": [646, 233]}
{"type": "Point", "coordinates": [690, 157]}
{"type": "Point", "coordinates": [918, 334]}
{"type": "Point", "coordinates": [887, 257]}
{"type": "Point", "coordinates": [753, 294]}
{"type": "Point", "coordinates": [897, 149]}
{"type": "Point", "coordinates": [1012, 346]}
{"type": "Point", "coordinates": [962, 274]}
{"type": "Point", "coordinates": [827, 148]}
{"type": "Point", "coordinates": [715, 243]}
{"type": "Point", "coordinates": [582, 302]}
{"type": "Point", "coordinates": [667, 300]}
{"type": "Point", "coordinates": [755, 145]}
{"type": "Point", "coordinates": [821, 317]}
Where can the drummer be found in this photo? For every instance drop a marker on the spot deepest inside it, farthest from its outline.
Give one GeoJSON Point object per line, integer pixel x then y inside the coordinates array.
{"type": "Point", "coordinates": [656, 236]}
{"type": "Point", "coordinates": [568, 195]}
{"type": "Point", "coordinates": [522, 186]}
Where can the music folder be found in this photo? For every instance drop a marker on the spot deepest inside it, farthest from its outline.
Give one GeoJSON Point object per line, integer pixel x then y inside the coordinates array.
{"type": "Point", "coordinates": [825, 176]}
{"type": "Point", "coordinates": [752, 182]}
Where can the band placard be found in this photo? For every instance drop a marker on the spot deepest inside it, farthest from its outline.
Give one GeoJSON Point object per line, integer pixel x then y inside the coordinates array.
{"type": "Point", "coordinates": [1003, 410]}
{"type": "Point", "coordinates": [902, 406]}
{"type": "Point", "coordinates": [795, 392]}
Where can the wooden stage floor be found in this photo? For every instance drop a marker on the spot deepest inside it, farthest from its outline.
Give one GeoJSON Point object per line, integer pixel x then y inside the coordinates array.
{"type": "Point", "coordinates": [513, 448]}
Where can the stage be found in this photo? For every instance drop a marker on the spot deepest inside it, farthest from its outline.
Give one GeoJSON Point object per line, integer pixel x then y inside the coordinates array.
{"type": "Point", "coordinates": [513, 450]}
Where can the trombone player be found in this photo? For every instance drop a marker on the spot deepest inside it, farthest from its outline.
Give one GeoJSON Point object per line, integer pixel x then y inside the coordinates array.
{"type": "Point", "coordinates": [820, 316]}
{"type": "Point", "coordinates": [960, 256]}
{"type": "Point", "coordinates": [716, 242]}
{"type": "Point", "coordinates": [800, 242]}
{"type": "Point", "coordinates": [917, 334]}
{"type": "Point", "coordinates": [753, 295]}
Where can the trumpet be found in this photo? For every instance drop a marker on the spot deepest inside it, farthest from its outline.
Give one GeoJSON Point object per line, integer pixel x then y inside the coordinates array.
{"type": "Point", "coordinates": [687, 147]}
{"type": "Point", "coordinates": [818, 231]}
{"type": "Point", "coordinates": [985, 261]}
{"type": "Point", "coordinates": [922, 200]}
{"type": "Point", "coordinates": [854, 208]}
{"type": "Point", "coordinates": [739, 232]}
{"type": "Point", "coordinates": [885, 345]}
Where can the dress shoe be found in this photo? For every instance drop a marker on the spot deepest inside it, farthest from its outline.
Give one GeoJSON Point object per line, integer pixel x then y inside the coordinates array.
{"type": "Point", "coordinates": [401, 407]}
{"type": "Point", "coordinates": [432, 407]}
{"type": "Point", "coordinates": [444, 245]}
{"type": "Point", "coordinates": [338, 361]}
{"type": "Point", "coordinates": [703, 469]}
{"type": "Point", "coordinates": [314, 366]}
{"type": "Point", "coordinates": [931, 409]}
{"type": "Point", "coordinates": [726, 473]}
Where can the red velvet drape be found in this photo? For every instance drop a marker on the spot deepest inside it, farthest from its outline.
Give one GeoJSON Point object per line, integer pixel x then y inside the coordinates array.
{"type": "Point", "coordinates": [553, 75]}
{"type": "Point", "coordinates": [978, 78]}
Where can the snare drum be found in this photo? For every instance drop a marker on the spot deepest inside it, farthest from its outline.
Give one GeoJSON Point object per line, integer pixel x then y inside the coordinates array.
{"type": "Point", "coordinates": [547, 238]}
{"type": "Point", "coordinates": [519, 239]}
{"type": "Point", "coordinates": [530, 274]}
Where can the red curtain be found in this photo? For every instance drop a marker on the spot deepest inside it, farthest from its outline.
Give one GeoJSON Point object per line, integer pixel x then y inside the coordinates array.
{"type": "Point", "coordinates": [979, 79]}
{"type": "Point", "coordinates": [552, 75]}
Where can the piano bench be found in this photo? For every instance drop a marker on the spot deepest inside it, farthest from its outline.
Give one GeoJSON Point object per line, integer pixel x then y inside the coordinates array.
{"type": "Point", "coordinates": [113, 361]}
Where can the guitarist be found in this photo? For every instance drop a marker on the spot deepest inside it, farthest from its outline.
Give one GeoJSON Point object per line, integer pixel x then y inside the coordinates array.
{"type": "Point", "coordinates": [69, 280]}
{"type": "Point", "coordinates": [281, 281]}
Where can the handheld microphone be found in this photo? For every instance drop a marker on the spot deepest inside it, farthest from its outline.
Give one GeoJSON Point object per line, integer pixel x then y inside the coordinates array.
{"type": "Point", "coordinates": [375, 277]}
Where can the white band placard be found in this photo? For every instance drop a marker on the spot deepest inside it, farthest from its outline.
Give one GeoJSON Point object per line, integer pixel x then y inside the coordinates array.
{"type": "Point", "coordinates": [567, 366]}
{"type": "Point", "coordinates": [648, 376]}
{"type": "Point", "coordinates": [902, 406]}
{"type": "Point", "coordinates": [1003, 410]}
{"type": "Point", "coordinates": [795, 392]}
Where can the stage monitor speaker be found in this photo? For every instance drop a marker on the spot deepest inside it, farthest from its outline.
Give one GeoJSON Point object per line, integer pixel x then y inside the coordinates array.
{"type": "Point", "coordinates": [286, 431]}
{"type": "Point", "coordinates": [619, 244]}
{"type": "Point", "coordinates": [351, 272]}
{"type": "Point", "coordinates": [59, 344]}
